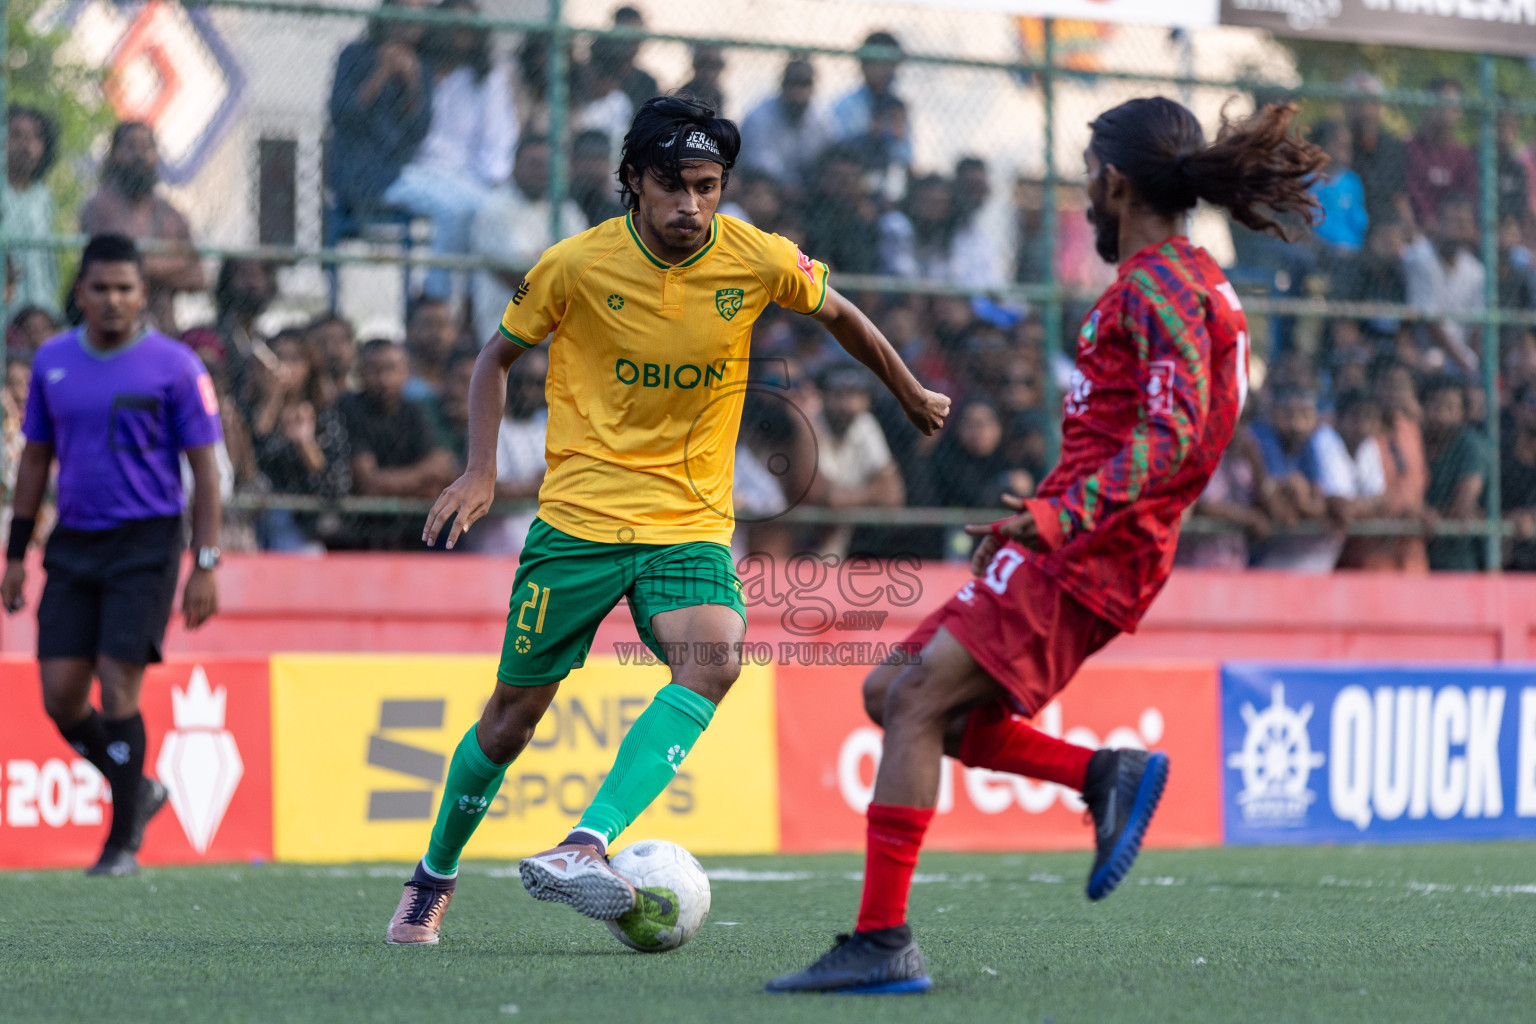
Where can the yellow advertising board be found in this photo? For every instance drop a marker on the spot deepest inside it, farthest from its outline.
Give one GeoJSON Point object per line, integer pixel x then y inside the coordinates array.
{"type": "Point", "coordinates": [361, 747]}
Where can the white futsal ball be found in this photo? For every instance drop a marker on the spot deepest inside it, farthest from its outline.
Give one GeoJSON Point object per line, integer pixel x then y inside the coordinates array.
{"type": "Point", "coordinates": [671, 896]}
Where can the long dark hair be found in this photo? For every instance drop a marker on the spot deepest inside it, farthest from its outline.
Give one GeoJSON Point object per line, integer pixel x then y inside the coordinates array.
{"type": "Point", "coordinates": [1256, 167]}
{"type": "Point", "coordinates": [313, 392]}
{"type": "Point", "coordinates": [655, 139]}
{"type": "Point", "coordinates": [45, 128]}
{"type": "Point", "coordinates": [224, 286]}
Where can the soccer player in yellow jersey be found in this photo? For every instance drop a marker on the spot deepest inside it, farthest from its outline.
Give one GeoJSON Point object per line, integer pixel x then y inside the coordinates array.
{"type": "Point", "coordinates": [649, 318]}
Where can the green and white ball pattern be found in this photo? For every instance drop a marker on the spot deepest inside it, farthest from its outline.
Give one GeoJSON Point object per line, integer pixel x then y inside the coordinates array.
{"type": "Point", "coordinates": [671, 896]}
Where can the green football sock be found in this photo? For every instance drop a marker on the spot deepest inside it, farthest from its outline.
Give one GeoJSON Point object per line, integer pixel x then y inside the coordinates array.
{"type": "Point", "coordinates": [473, 780]}
{"type": "Point", "coordinates": [649, 757]}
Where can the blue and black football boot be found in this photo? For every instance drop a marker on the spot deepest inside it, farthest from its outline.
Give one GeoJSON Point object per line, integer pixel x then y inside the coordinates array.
{"type": "Point", "coordinates": [884, 962]}
{"type": "Point", "coordinates": [1122, 791]}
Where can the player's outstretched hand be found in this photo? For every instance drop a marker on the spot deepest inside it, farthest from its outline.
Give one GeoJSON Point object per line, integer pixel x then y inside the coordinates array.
{"type": "Point", "coordinates": [11, 587]}
{"type": "Point", "coordinates": [928, 411]}
{"type": "Point", "coordinates": [1020, 528]}
{"type": "Point", "coordinates": [464, 501]}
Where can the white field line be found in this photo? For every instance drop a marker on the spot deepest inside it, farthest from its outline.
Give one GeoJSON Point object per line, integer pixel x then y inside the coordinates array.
{"type": "Point", "coordinates": [727, 874]}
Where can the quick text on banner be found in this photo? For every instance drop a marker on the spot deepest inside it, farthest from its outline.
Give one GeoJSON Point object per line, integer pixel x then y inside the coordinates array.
{"type": "Point", "coordinates": [1417, 751]}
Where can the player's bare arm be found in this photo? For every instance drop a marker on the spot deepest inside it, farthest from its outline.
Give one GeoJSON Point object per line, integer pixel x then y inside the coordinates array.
{"type": "Point", "coordinates": [862, 339]}
{"type": "Point", "coordinates": [469, 497]}
{"type": "Point", "coordinates": [31, 481]}
{"type": "Point", "coordinates": [200, 597]}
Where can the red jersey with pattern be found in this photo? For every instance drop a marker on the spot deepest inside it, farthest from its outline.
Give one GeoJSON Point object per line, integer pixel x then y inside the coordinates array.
{"type": "Point", "coordinates": [1162, 373]}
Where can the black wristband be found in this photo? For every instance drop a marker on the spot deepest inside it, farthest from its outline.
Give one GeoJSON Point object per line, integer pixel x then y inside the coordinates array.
{"type": "Point", "coordinates": [21, 538]}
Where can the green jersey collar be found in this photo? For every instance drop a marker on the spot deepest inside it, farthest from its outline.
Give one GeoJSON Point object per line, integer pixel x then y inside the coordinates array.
{"type": "Point", "coordinates": [714, 234]}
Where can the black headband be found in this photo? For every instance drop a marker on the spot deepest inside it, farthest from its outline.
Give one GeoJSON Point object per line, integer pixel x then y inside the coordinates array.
{"type": "Point", "coordinates": [696, 144]}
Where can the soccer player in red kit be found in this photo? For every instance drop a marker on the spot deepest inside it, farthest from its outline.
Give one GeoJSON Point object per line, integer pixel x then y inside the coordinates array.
{"type": "Point", "coordinates": [1161, 376]}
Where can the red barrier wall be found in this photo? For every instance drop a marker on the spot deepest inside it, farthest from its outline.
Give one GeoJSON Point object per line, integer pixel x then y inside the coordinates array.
{"type": "Point", "coordinates": [210, 739]}
{"type": "Point", "coordinates": [443, 603]}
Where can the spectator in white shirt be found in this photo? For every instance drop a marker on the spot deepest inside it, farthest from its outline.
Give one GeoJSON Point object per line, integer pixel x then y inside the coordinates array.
{"type": "Point", "coordinates": [784, 134]}
{"type": "Point", "coordinates": [513, 227]}
{"type": "Point", "coordinates": [853, 455]}
{"type": "Point", "coordinates": [605, 106]}
{"type": "Point", "coordinates": [1445, 278]}
{"type": "Point", "coordinates": [918, 239]}
{"type": "Point", "coordinates": [978, 256]}
{"type": "Point", "coordinates": [1358, 421]}
{"type": "Point", "coordinates": [469, 144]}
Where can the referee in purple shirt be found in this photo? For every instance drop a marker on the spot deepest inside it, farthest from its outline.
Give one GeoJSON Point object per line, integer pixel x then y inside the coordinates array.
{"type": "Point", "coordinates": [118, 404]}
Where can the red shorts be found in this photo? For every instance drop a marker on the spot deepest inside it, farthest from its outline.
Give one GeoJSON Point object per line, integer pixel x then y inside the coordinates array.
{"type": "Point", "coordinates": [1022, 628]}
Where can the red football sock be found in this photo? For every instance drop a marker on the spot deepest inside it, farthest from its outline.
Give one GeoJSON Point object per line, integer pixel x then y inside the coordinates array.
{"type": "Point", "coordinates": [890, 856]}
{"type": "Point", "coordinates": [995, 739]}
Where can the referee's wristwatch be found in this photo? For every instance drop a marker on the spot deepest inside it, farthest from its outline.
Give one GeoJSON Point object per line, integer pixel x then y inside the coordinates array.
{"type": "Point", "coordinates": [207, 559]}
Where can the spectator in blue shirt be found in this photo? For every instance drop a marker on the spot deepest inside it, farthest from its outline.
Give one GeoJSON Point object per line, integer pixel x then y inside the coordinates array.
{"type": "Point", "coordinates": [1310, 474]}
{"type": "Point", "coordinates": [1339, 192]}
{"type": "Point", "coordinates": [852, 114]}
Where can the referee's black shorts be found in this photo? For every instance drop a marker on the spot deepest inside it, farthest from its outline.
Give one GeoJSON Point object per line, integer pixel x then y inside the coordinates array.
{"type": "Point", "coordinates": [109, 592]}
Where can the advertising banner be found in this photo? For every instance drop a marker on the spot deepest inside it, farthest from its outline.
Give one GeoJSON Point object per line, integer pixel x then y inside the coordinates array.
{"type": "Point", "coordinates": [362, 744]}
{"type": "Point", "coordinates": [1377, 754]}
{"type": "Point", "coordinates": [1498, 26]}
{"type": "Point", "coordinates": [829, 752]}
{"type": "Point", "coordinates": [210, 742]}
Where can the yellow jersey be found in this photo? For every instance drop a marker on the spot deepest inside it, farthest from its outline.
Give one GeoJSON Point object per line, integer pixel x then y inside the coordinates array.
{"type": "Point", "coordinates": [648, 372]}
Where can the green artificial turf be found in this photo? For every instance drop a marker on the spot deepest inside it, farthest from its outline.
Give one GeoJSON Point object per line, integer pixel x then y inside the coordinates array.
{"type": "Point", "coordinates": [1384, 933]}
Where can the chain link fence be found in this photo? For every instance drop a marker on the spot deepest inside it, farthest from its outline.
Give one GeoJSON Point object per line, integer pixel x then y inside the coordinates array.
{"type": "Point", "coordinates": [344, 196]}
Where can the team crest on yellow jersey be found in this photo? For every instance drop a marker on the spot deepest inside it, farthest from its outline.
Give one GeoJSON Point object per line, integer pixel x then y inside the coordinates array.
{"type": "Point", "coordinates": [728, 301]}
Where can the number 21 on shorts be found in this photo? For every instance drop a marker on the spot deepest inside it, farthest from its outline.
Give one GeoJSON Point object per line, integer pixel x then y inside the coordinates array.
{"type": "Point", "coordinates": [537, 602]}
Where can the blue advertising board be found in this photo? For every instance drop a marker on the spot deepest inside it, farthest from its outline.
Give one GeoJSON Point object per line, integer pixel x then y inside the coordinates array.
{"type": "Point", "coordinates": [1356, 754]}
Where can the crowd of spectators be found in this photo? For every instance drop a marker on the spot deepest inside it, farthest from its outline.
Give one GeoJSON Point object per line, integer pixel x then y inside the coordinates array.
{"type": "Point", "coordinates": [1375, 417]}
{"type": "Point", "coordinates": [1387, 417]}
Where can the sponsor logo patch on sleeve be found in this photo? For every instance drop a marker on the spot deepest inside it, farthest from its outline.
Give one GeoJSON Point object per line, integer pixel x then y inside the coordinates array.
{"type": "Point", "coordinates": [806, 265]}
{"type": "Point", "coordinates": [210, 396]}
{"type": "Point", "coordinates": [1160, 387]}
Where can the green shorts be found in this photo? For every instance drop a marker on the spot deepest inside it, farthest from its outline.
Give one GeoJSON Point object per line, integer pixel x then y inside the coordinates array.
{"type": "Point", "coordinates": [565, 586]}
